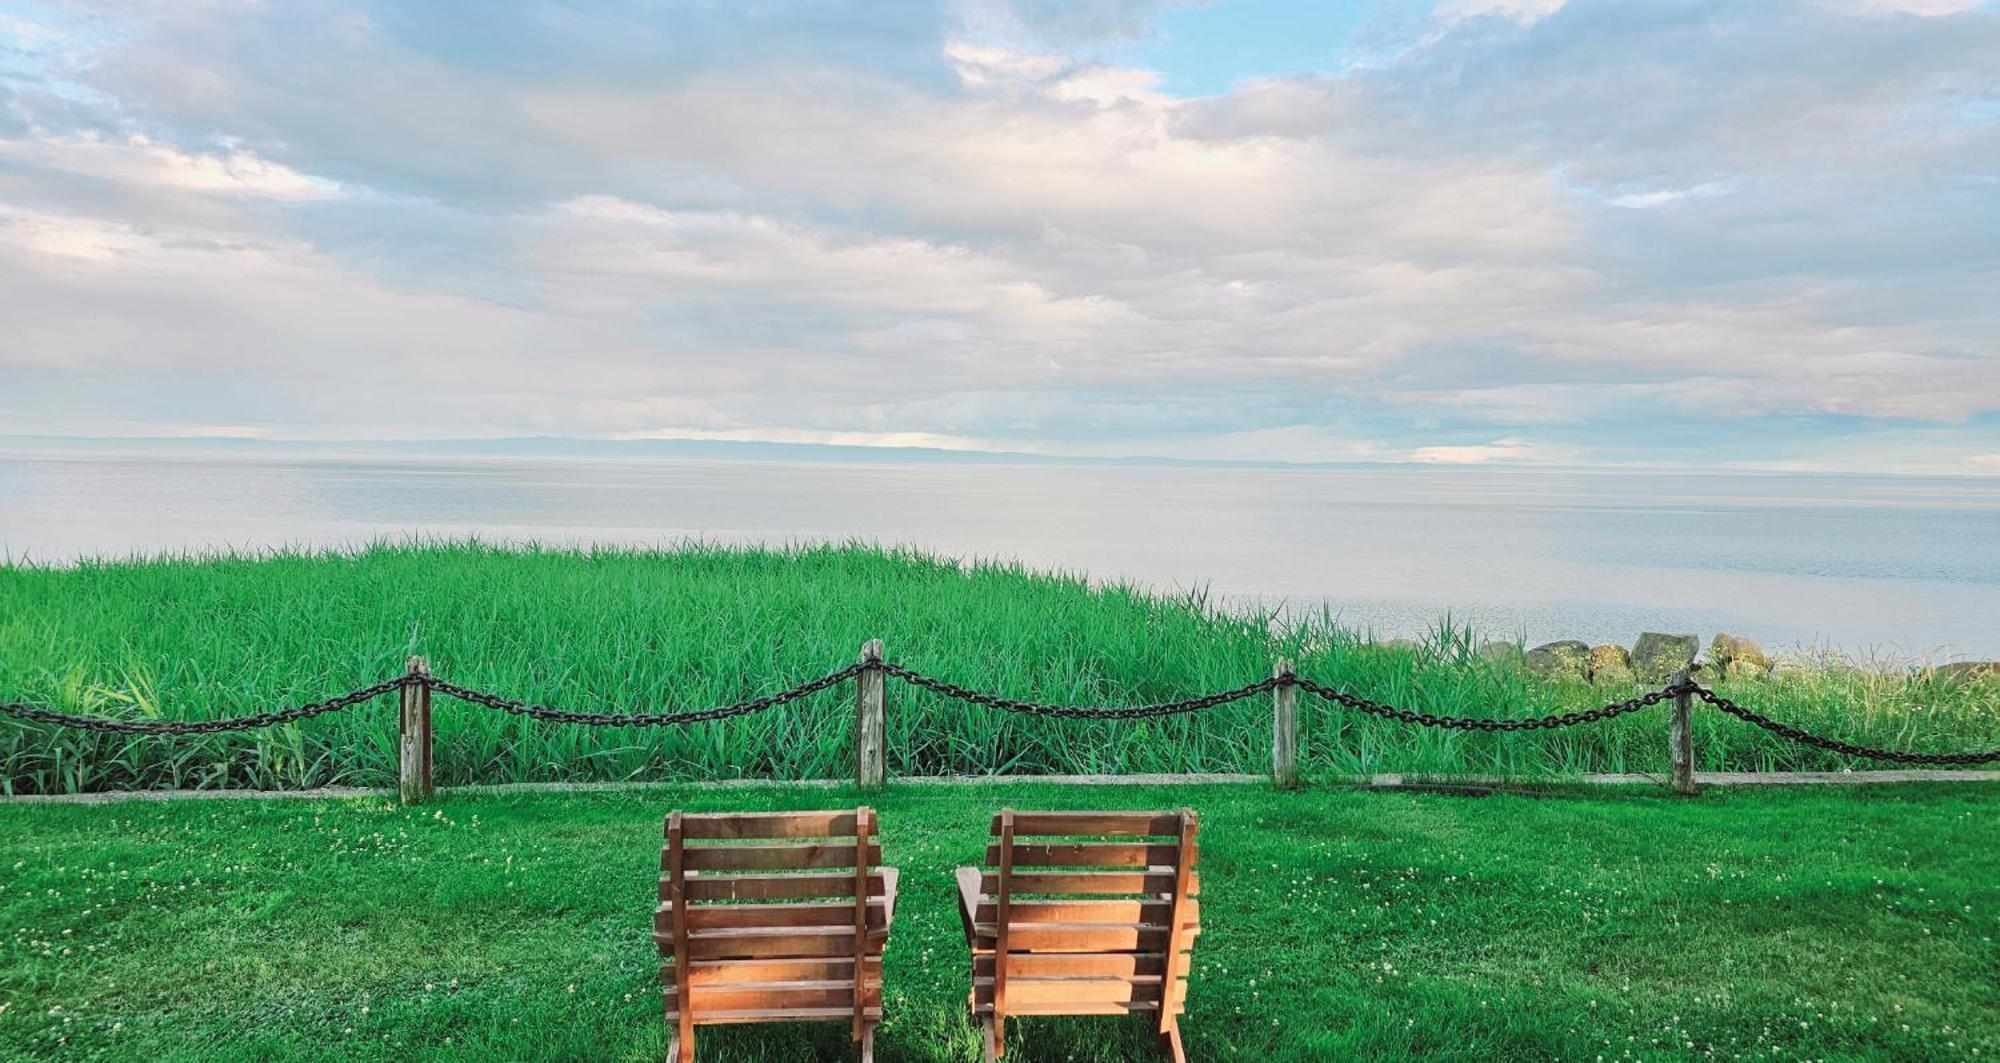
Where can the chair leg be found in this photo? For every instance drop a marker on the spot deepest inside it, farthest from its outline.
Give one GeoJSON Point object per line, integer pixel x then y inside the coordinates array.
{"type": "Point", "coordinates": [989, 1040]}
{"type": "Point", "coordinates": [679, 1051]}
{"type": "Point", "coordinates": [865, 1048]}
{"type": "Point", "coordinates": [1170, 1044]}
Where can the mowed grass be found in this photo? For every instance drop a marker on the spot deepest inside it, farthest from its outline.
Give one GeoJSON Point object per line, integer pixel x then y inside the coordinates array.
{"type": "Point", "coordinates": [1830, 924]}
{"type": "Point", "coordinates": [626, 630]}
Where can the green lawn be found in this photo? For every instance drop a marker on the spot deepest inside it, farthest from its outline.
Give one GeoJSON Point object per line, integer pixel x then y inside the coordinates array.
{"type": "Point", "coordinates": [1805, 923]}
{"type": "Point", "coordinates": [693, 626]}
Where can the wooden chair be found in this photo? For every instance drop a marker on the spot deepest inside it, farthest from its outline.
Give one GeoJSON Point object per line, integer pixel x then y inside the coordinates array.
{"type": "Point", "coordinates": [1082, 913]}
{"type": "Point", "coordinates": [772, 917]}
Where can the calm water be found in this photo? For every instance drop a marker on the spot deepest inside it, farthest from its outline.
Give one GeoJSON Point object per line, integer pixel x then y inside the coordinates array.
{"type": "Point", "coordinates": [1890, 567]}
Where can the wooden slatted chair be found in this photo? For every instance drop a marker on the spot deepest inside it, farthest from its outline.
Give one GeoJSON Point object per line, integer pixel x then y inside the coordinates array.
{"type": "Point", "coordinates": [772, 917]}
{"type": "Point", "coordinates": [1082, 913]}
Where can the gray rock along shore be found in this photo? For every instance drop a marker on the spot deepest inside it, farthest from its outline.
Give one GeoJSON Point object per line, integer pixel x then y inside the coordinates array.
{"type": "Point", "coordinates": [1657, 656]}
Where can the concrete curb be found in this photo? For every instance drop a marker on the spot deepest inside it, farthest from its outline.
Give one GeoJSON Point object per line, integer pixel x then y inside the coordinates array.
{"type": "Point", "coordinates": [1384, 780]}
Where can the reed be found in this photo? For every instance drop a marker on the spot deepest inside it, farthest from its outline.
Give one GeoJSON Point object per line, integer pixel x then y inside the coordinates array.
{"type": "Point", "coordinates": [695, 624]}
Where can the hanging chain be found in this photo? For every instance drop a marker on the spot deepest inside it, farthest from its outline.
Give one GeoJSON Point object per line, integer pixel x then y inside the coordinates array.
{"type": "Point", "coordinates": [1785, 730]}
{"type": "Point", "coordinates": [1074, 712]}
{"type": "Point", "coordinates": [107, 725]}
{"type": "Point", "coordinates": [1479, 723]}
{"type": "Point", "coordinates": [644, 719]}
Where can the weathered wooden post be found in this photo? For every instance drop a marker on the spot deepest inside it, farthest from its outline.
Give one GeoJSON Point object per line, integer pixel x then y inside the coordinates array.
{"type": "Point", "coordinates": [413, 766]}
{"type": "Point", "coordinates": [1284, 727]}
{"type": "Point", "coordinates": [868, 717]}
{"type": "Point", "coordinates": [1680, 736]}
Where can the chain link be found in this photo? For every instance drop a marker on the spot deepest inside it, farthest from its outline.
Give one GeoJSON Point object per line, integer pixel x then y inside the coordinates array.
{"type": "Point", "coordinates": [644, 719]}
{"type": "Point", "coordinates": [1784, 730]}
{"type": "Point", "coordinates": [1476, 723]}
{"type": "Point", "coordinates": [1074, 712]}
{"type": "Point", "coordinates": [107, 725]}
{"type": "Point", "coordinates": [200, 727]}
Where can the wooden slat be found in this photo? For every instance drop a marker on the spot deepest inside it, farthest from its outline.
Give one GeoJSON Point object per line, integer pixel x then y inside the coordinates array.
{"type": "Point", "coordinates": [1075, 964]}
{"type": "Point", "coordinates": [677, 929]}
{"type": "Point", "coordinates": [1027, 992]}
{"type": "Point", "coordinates": [1079, 937]}
{"type": "Point", "coordinates": [1087, 911]}
{"type": "Point", "coordinates": [1059, 1008]}
{"type": "Point", "coordinates": [723, 887]}
{"type": "Point", "coordinates": [1088, 882]}
{"type": "Point", "coordinates": [1157, 824]}
{"type": "Point", "coordinates": [726, 825]}
{"type": "Point", "coordinates": [742, 972]}
{"type": "Point", "coordinates": [794, 943]}
{"type": "Point", "coordinates": [1179, 934]}
{"type": "Point", "coordinates": [768, 996]}
{"type": "Point", "coordinates": [818, 913]}
{"type": "Point", "coordinates": [1003, 900]}
{"type": "Point", "coordinates": [1086, 854]}
{"type": "Point", "coordinates": [775, 857]}
{"type": "Point", "coordinates": [783, 1015]}
{"type": "Point", "coordinates": [864, 824]}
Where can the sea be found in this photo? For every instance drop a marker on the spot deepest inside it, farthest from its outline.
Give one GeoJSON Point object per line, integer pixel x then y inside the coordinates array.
{"type": "Point", "coordinates": [1880, 569]}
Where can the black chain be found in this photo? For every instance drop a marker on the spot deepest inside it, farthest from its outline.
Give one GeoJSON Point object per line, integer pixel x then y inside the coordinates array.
{"type": "Point", "coordinates": [952, 690]}
{"type": "Point", "coordinates": [1133, 712]}
{"type": "Point", "coordinates": [200, 727]}
{"type": "Point", "coordinates": [1477, 723]}
{"type": "Point", "coordinates": [644, 719]}
{"type": "Point", "coordinates": [1785, 730]}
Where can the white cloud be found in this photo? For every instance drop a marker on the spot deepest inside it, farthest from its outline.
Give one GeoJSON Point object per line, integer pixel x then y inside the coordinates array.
{"type": "Point", "coordinates": [1525, 12]}
{"type": "Point", "coordinates": [1002, 240]}
{"type": "Point", "coordinates": [1499, 451]}
{"type": "Point", "coordinates": [1661, 197]}
{"type": "Point", "coordinates": [148, 164]}
{"type": "Point", "coordinates": [1927, 8]}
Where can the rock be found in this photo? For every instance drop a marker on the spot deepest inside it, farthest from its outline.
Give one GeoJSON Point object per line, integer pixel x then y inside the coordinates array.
{"type": "Point", "coordinates": [1568, 659]}
{"type": "Point", "coordinates": [1727, 650]}
{"type": "Point", "coordinates": [1961, 671]}
{"type": "Point", "coordinates": [1656, 656]}
{"type": "Point", "coordinates": [1502, 653]}
{"type": "Point", "coordinates": [1412, 645]}
{"type": "Point", "coordinates": [1610, 664]}
{"type": "Point", "coordinates": [1741, 669]}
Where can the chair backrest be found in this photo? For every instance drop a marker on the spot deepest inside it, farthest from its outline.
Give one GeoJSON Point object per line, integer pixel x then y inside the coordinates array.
{"type": "Point", "coordinates": [772, 916]}
{"type": "Point", "coordinates": [1083, 913]}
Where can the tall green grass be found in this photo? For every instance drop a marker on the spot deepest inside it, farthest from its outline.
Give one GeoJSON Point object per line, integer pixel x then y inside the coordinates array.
{"type": "Point", "coordinates": [620, 629]}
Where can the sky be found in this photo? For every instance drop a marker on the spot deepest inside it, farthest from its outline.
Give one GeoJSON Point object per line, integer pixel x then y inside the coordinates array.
{"type": "Point", "coordinates": [1734, 234]}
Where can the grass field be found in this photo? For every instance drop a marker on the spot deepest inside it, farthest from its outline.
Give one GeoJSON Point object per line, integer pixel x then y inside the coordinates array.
{"type": "Point", "coordinates": [1833, 924]}
{"type": "Point", "coordinates": [625, 630]}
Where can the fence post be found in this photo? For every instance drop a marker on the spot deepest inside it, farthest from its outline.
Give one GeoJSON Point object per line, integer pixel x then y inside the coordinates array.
{"type": "Point", "coordinates": [413, 764]}
{"type": "Point", "coordinates": [1284, 727]}
{"type": "Point", "coordinates": [1680, 736]}
{"type": "Point", "coordinates": [868, 717]}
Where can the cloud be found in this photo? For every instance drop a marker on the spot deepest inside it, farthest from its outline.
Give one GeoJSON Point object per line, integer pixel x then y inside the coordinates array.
{"type": "Point", "coordinates": [140, 161]}
{"type": "Point", "coordinates": [1529, 232]}
{"type": "Point", "coordinates": [1525, 12]}
{"type": "Point", "coordinates": [1500, 450]}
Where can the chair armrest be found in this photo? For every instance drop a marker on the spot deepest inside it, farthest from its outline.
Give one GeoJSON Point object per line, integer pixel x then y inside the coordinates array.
{"type": "Point", "coordinates": [889, 877]}
{"type": "Point", "coordinates": [968, 898]}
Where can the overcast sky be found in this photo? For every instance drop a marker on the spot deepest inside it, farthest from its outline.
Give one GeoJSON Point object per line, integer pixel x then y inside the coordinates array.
{"type": "Point", "coordinates": [1756, 234]}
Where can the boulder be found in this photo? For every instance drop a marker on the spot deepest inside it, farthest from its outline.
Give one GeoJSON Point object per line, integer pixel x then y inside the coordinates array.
{"type": "Point", "coordinates": [1501, 653]}
{"type": "Point", "coordinates": [1742, 669]}
{"type": "Point", "coordinates": [1726, 651]}
{"type": "Point", "coordinates": [1411, 645]}
{"type": "Point", "coordinates": [1610, 664]}
{"type": "Point", "coordinates": [1656, 656]}
{"type": "Point", "coordinates": [1959, 671]}
{"type": "Point", "coordinates": [1567, 659]}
